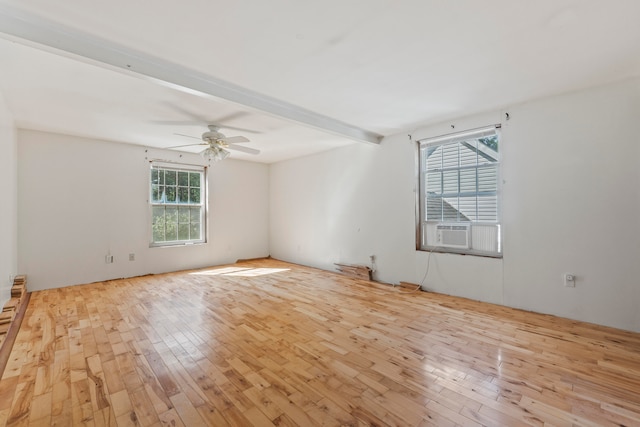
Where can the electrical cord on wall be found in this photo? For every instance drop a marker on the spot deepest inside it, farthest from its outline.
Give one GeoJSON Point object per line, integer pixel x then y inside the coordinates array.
{"type": "Point", "coordinates": [418, 287]}
{"type": "Point", "coordinates": [428, 265]}
{"type": "Point", "coordinates": [423, 278]}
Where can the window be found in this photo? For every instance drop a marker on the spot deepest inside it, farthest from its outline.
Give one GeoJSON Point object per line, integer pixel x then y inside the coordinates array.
{"type": "Point", "coordinates": [178, 203]}
{"type": "Point", "coordinates": [460, 193]}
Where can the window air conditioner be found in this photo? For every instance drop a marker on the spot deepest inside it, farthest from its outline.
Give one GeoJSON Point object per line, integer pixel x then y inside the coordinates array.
{"type": "Point", "coordinates": [453, 235]}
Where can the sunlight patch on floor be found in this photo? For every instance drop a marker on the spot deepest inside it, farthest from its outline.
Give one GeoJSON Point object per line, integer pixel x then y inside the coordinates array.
{"type": "Point", "coordinates": [257, 272]}
{"type": "Point", "coordinates": [219, 271]}
{"type": "Point", "coordinates": [239, 271]}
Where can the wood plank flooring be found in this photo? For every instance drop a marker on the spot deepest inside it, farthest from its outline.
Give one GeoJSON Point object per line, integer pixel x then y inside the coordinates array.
{"type": "Point", "coordinates": [267, 343]}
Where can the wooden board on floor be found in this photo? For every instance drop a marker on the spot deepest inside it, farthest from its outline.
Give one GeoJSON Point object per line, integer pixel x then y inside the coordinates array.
{"type": "Point", "coordinates": [360, 271]}
{"type": "Point", "coordinates": [6, 316]}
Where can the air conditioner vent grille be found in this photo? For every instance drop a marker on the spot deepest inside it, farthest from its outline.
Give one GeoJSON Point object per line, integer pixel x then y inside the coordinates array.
{"type": "Point", "coordinates": [453, 235]}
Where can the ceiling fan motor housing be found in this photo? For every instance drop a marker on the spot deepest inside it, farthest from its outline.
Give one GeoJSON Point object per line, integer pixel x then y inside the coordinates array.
{"type": "Point", "coordinates": [214, 136]}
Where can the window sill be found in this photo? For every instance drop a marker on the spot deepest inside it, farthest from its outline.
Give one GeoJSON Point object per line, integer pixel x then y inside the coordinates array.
{"type": "Point", "coordinates": [176, 245]}
{"type": "Point", "coordinates": [441, 250]}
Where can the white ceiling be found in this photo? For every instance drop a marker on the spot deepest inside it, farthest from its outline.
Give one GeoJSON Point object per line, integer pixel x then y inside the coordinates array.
{"type": "Point", "coordinates": [382, 66]}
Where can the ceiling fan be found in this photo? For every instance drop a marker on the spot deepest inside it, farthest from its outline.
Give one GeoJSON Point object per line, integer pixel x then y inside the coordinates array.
{"type": "Point", "coordinates": [217, 144]}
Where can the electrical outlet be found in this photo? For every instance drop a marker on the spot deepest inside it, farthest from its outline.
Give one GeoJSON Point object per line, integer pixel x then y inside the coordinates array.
{"type": "Point", "coordinates": [570, 280]}
{"type": "Point", "coordinates": [108, 259]}
{"type": "Point", "coordinates": [132, 257]}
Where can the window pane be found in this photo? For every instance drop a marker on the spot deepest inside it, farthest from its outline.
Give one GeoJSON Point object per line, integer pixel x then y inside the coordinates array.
{"type": "Point", "coordinates": [161, 176]}
{"type": "Point", "coordinates": [450, 156]}
{"type": "Point", "coordinates": [156, 193]}
{"type": "Point", "coordinates": [468, 180]}
{"type": "Point", "coordinates": [171, 234]}
{"type": "Point", "coordinates": [468, 153]}
{"type": "Point", "coordinates": [488, 208]}
{"type": "Point", "coordinates": [157, 215]}
{"type": "Point", "coordinates": [183, 231]}
{"type": "Point", "coordinates": [157, 221]}
{"type": "Point", "coordinates": [170, 194]}
{"type": "Point", "coordinates": [488, 178]}
{"type": "Point", "coordinates": [195, 215]}
{"type": "Point", "coordinates": [450, 181]}
{"type": "Point", "coordinates": [467, 208]}
{"type": "Point", "coordinates": [183, 195]}
{"type": "Point", "coordinates": [171, 223]}
{"type": "Point", "coordinates": [194, 195]}
{"type": "Point", "coordinates": [183, 215]}
{"type": "Point", "coordinates": [183, 178]}
{"type": "Point", "coordinates": [488, 149]}
{"type": "Point", "coordinates": [434, 157]}
{"type": "Point", "coordinates": [195, 232]}
{"type": "Point", "coordinates": [154, 176]}
{"type": "Point", "coordinates": [158, 233]}
{"type": "Point", "coordinates": [171, 214]}
{"type": "Point", "coordinates": [434, 209]}
{"type": "Point", "coordinates": [490, 142]}
{"type": "Point", "coordinates": [170, 177]}
{"type": "Point", "coordinates": [450, 209]}
{"type": "Point", "coordinates": [434, 183]}
{"type": "Point", "coordinates": [194, 179]}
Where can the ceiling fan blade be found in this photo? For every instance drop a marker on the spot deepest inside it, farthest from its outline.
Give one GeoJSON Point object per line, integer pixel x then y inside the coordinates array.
{"type": "Point", "coordinates": [199, 123]}
{"type": "Point", "coordinates": [243, 149]}
{"type": "Point", "coordinates": [245, 130]}
{"type": "Point", "coordinates": [198, 119]}
{"type": "Point", "coordinates": [232, 116]}
{"type": "Point", "coordinates": [194, 116]}
{"type": "Point", "coordinates": [187, 145]}
{"type": "Point", "coordinates": [188, 136]}
{"type": "Point", "coordinates": [235, 139]}
{"type": "Point", "coordinates": [177, 122]}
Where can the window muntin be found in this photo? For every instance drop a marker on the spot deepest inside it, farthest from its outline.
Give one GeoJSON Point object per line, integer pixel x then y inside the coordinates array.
{"type": "Point", "coordinates": [459, 183]}
{"type": "Point", "coordinates": [178, 200]}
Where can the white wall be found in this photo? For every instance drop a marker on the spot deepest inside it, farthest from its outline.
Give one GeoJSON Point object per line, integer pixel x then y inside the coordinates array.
{"type": "Point", "coordinates": [79, 199]}
{"type": "Point", "coordinates": [8, 208]}
{"type": "Point", "coordinates": [571, 203]}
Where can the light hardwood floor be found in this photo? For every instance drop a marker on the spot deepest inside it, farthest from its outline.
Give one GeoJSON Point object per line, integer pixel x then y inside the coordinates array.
{"type": "Point", "coordinates": [268, 343]}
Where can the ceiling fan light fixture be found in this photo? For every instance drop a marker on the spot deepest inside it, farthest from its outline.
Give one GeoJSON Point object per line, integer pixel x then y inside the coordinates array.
{"type": "Point", "coordinates": [215, 153]}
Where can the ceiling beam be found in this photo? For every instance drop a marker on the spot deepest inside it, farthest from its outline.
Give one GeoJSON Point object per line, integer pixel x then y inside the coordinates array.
{"type": "Point", "coordinates": [47, 34]}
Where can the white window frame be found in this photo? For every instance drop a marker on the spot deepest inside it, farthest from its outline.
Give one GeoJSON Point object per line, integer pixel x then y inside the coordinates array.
{"type": "Point", "coordinates": [483, 238]}
{"type": "Point", "coordinates": [202, 205]}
